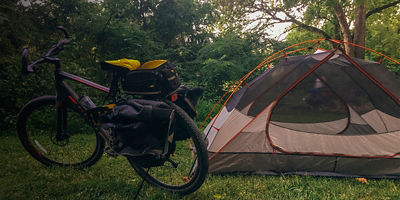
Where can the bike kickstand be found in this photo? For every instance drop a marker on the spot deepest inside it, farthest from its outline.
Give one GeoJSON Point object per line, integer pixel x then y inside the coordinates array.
{"type": "Point", "coordinates": [141, 185]}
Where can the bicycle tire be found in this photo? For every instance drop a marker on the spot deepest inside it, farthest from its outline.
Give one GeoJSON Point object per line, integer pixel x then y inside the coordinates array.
{"type": "Point", "coordinates": [37, 135]}
{"type": "Point", "coordinates": [196, 177]}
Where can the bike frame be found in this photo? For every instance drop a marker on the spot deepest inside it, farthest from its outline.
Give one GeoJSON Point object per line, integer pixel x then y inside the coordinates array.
{"type": "Point", "coordinates": [65, 94]}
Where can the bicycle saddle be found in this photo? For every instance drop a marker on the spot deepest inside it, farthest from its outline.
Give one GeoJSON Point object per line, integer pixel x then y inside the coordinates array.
{"type": "Point", "coordinates": [125, 65]}
{"type": "Point", "coordinates": [121, 64]}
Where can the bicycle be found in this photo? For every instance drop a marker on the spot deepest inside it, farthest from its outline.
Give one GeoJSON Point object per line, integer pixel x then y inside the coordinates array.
{"type": "Point", "coordinates": [59, 131]}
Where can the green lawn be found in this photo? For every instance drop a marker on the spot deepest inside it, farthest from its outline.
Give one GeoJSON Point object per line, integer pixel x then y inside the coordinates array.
{"type": "Point", "coordinates": [22, 177]}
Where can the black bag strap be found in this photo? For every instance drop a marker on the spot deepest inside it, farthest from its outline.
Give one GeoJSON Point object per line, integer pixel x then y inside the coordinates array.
{"type": "Point", "coordinates": [114, 88]}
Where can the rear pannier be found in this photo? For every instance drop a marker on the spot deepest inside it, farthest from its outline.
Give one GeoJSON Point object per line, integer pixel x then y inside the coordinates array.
{"type": "Point", "coordinates": [141, 129]}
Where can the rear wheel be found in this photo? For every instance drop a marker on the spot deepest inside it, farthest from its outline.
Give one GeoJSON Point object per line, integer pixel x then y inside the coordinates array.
{"type": "Point", "coordinates": [190, 156]}
{"type": "Point", "coordinates": [37, 128]}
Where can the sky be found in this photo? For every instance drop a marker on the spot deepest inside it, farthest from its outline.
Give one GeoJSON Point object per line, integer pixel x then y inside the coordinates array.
{"type": "Point", "coordinates": [276, 31]}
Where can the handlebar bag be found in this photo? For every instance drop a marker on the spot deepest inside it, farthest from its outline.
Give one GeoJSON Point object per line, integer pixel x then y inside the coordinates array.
{"type": "Point", "coordinates": [149, 79]}
{"type": "Point", "coordinates": [142, 129]}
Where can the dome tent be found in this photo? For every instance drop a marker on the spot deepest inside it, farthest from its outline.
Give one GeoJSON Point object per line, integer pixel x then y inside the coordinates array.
{"type": "Point", "coordinates": [323, 114]}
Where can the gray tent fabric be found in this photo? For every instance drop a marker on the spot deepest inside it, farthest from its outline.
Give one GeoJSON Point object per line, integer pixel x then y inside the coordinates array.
{"type": "Point", "coordinates": [323, 114]}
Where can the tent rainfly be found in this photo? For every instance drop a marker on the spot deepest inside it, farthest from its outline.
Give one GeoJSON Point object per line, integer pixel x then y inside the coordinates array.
{"type": "Point", "coordinates": [322, 114]}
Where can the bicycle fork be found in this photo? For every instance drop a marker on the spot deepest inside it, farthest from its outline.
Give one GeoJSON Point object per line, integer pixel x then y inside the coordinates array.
{"type": "Point", "coordinates": [62, 122]}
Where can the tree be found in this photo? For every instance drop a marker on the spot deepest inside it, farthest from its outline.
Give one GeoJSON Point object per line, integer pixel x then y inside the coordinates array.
{"type": "Point", "coordinates": [222, 62]}
{"type": "Point", "coordinates": [383, 35]}
{"type": "Point", "coordinates": [347, 17]}
{"type": "Point", "coordinates": [181, 22]}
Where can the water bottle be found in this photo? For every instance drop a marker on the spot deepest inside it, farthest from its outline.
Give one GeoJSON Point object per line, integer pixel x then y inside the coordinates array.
{"type": "Point", "coordinates": [86, 103]}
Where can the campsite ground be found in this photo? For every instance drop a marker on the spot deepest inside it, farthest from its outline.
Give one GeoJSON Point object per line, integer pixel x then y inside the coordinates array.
{"type": "Point", "coordinates": [21, 177]}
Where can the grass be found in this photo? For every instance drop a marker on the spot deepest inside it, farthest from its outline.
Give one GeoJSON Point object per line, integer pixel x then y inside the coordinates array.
{"type": "Point", "coordinates": [22, 177]}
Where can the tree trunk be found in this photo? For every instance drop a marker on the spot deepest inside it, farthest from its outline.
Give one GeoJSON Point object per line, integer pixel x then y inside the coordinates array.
{"type": "Point", "coordinates": [344, 27]}
{"type": "Point", "coordinates": [359, 30]}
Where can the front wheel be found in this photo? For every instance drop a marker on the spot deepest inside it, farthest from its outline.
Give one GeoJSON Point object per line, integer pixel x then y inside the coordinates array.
{"type": "Point", "coordinates": [37, 122]}
{"type": "Point", "coordinates": [190, 156]}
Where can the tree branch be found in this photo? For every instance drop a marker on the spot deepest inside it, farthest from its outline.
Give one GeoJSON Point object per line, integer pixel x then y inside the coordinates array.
{"type": "Point", "coordinates": [272, 17]}
{"type": "Point", "coordinates": [305, 26]}
{"type": "Point", "coordinates": [379, 9]}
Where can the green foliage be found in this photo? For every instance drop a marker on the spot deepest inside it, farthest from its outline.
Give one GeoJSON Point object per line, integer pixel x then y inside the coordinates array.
{"type": "Point", "coordinates": [179, 22]}
{"type": "Point", "coordinates": [383, 35]}
{"type": "Point", "coordinates": [225, 60]}
{"type": "Point", "coordinates": [300, 35]}
{"type": "Point", "coordinates": [204, 107]}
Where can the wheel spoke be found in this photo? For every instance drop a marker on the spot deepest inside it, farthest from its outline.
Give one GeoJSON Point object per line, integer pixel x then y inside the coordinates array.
{"type": "Point", "coordinates": [37, 129]}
